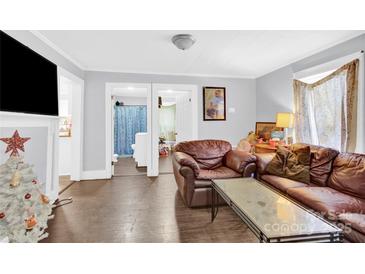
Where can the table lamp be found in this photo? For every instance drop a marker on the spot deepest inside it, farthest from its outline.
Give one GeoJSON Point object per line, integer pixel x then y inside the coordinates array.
{"type": "Point", "coordinates": [285, 120]}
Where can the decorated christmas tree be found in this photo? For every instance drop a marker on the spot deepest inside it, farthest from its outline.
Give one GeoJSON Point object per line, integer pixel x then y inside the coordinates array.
{"type": "Point", "coordinates": [24, 210]}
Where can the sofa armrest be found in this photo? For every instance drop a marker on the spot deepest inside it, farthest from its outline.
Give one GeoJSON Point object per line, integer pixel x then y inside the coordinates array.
{"type": "Point", "coordinates": [262, 160]}
{"type": "Point", "coordinates": [238, 160]}
{"type": "Point", "coordinates": [186, 160]}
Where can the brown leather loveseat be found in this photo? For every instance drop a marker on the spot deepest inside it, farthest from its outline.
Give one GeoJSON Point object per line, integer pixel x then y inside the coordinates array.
{"type": "Point", "coordinates": [195, 163]}
{"type": "Point", "coordinates": [336, 189]}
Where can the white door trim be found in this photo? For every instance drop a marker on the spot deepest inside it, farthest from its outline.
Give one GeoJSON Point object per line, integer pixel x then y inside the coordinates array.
{"type": "Point", "coordinates": [155, 122]}
{"type": "Point", "coordinates": [77, 138]}
{"type": "Point", "coordinates": [109, 92]}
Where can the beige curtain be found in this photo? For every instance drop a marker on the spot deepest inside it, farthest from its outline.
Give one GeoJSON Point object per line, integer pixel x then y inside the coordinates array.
{"type": "Point", "coordinates": [325, 111]}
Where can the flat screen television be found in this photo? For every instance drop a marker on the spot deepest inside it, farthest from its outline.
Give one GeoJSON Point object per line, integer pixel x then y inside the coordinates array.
{"type": "Point", "coordinates": [28, 81]}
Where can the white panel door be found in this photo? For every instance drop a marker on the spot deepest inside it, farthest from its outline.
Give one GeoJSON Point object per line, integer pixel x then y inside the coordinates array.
{"type": "Point", "coordinates": [184, 118]}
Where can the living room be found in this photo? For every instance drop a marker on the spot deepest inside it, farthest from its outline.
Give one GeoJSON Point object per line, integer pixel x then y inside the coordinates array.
{"type": "Point", "coordinates": [193, 134]}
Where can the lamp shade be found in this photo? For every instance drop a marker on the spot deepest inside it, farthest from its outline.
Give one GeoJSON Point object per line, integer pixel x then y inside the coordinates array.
{"type": "Point", "coordinates": [284, 119]}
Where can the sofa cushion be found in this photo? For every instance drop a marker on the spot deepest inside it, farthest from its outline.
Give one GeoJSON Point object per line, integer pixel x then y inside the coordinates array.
{"type": "Point", "coordinates": [218, 173]}
{"type": "Point", "coordinates": [291, 164]}
{"type": "Point", "coordinates": [302, 153]}
{"type": "Point", "coordinates": [327, 201]}
{"type": "Point", "coordinates": [354, 236]}
{"type": "Point", "coordinates": [321, 164]}
{"type": "Point", "coordinates": [354, 220]}
{"type": "Point", "coordinates": [208, 154]}
{"type": "Point", "coordinates": [348, 174]}
{"type": "Point", "coordinates": [280, 183]}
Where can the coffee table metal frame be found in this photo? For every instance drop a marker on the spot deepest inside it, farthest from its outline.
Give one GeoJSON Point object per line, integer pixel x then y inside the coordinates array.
{"type": "Point", "coordinates": [331, 237]}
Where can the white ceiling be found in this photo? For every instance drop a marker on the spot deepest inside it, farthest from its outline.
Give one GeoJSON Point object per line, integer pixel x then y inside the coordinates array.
{"type": "Point", "coordinates": [216, 53]}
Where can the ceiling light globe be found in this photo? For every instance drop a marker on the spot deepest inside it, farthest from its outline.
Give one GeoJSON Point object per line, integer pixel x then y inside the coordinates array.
{"type": "Point", "coordinates": [183, 41]}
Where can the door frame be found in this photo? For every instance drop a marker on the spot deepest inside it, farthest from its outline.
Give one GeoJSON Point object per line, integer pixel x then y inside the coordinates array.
{"type": "Point", "coordinates": [109, 148]}
{"type": "Point", "coordinates": [77, 137]}
{"type": "Point", "coordinates": [193, 89]}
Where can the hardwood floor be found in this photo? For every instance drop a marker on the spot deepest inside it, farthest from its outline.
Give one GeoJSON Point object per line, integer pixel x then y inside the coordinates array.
{"type": "Point", "coordinates": [139, 209]}
{"type": "Point", "coordinates": [165, 164]}
{"type": "Point", "coordinates": [65, 183]}
{"type": "Point", "coordinates": [127, 167]}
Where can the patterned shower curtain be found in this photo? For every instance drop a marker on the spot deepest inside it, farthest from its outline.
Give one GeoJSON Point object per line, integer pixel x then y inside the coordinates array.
{"type": "Point", "coordinates": [128, 121]}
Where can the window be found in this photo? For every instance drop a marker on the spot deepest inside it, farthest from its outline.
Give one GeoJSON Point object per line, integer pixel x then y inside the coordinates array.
{"type": "Point", "coordinates": [325, 108]}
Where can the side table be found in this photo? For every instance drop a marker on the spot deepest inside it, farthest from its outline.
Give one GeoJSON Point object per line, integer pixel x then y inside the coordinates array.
{"type": "Point", "coordinates": [264, 148]}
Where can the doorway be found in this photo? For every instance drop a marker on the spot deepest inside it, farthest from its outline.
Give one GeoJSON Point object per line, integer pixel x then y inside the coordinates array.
{"type": "Point", "coordinates": [130, 132]}
{"type": "Point", "coordinates": [176, 120]}
{"type": "Point", "coordinates": [128, 123]}
{"type": "Point", "coordinates": [186, 121]}
{"type": "Point", "coordinates": [71, 105]}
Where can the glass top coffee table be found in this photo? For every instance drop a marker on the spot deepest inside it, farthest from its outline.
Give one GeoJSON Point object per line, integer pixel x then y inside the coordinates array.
{"type": "Point", "coordinates": [271, 216]}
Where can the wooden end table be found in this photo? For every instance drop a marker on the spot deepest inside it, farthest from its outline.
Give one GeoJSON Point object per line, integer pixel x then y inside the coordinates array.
{"type": "Point", "coordinates": [264, 148]}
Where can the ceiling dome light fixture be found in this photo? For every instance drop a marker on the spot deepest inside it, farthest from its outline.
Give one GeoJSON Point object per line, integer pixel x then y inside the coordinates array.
{"type": "Point", "coordinates": [183, 41]}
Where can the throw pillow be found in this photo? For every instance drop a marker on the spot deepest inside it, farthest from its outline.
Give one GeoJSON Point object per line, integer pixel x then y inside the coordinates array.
{"type": "Point", "coordinates": [292, 164]}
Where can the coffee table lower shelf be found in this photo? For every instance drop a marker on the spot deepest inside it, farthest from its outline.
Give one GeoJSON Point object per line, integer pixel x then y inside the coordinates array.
{"type": "Point", "coordinates": [326, 237]}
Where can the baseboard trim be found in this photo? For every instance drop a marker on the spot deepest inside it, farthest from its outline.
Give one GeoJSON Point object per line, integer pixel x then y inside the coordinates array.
{"type": "Point", "coordinates": [93, 174]}
{"type": "Point", "coordinates": [64, 174]}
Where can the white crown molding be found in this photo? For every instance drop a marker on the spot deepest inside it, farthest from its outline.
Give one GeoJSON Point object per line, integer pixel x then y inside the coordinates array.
{"type": "Point", "coordinates": [56, 48]}
{"type": "Point", "coordinates": [95, 69]}
{"type": "Point", "coordinates": [313, 52]}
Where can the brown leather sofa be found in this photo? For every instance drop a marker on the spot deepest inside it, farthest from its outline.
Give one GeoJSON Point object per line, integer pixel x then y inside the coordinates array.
{"type": "Point", "coordinates": [336, 189]}
{"type": "Point", "coordinates": [195, 163]}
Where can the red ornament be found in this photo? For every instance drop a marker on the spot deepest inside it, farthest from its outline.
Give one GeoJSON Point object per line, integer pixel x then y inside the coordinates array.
{"type": "Point", "coordinates": [2, 215]}
{"type": "Point", "coordinates": [14, 143]}
{"type": "Point", "coordinates": [27, 196]}
{"type": "Point", "coordinates": [34, 181]}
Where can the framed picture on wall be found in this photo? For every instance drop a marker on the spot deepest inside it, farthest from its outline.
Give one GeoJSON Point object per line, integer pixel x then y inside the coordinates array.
{"type": "Point", "coordinates": [264, 129]}
{"type": "Point", "coordinates": [214, 103]}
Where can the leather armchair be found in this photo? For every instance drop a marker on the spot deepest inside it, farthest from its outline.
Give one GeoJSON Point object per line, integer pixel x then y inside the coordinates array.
{"type": "Point", "coordinates": [196, 163]}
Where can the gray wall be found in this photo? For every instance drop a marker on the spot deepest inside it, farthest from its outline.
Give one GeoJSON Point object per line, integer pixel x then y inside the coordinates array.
{"type": "Point", "coordinates": [33, 42]}
{"type": "Point", "coordinates": [274, 90]}
{"type": "Point", "coordinates": [274, 94]}
{"type": "Point", "coordinates": [240, 95]}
